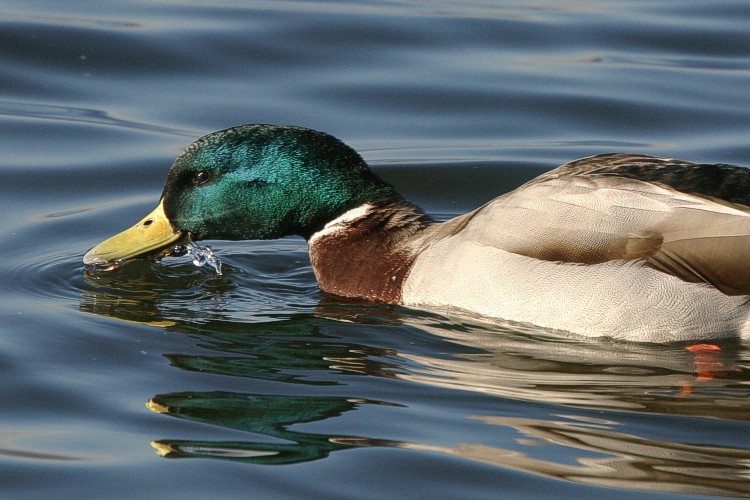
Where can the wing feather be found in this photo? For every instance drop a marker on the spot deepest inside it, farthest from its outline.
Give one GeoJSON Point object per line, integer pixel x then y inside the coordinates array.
{"type": "Point", "coordinates": [582, 215]}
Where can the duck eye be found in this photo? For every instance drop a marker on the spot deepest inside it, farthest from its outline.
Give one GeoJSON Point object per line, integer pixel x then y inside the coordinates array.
{"type": "Point", "coordinates": [201, 177]}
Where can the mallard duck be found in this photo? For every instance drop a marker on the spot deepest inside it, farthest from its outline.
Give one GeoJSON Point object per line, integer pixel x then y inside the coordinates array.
{"type": "Point", "coordinates": [631, 247]}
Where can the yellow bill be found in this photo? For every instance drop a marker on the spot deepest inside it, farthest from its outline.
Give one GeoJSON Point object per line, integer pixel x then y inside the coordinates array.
{"type": "Point", "coordinates": [153, 233]}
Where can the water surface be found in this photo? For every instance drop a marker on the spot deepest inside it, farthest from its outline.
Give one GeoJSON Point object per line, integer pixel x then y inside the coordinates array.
{"type": "Point", "coordinates": [169, 380]}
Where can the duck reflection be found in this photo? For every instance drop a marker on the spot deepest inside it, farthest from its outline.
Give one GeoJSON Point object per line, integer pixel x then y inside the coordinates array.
{"type": "Point", "coordinates": [602, 455]}
{"type": "Point", "coordinates": [155, 295]}
{"type": "Point", "coordinates": [318, 344]}
{"type": "Point", "coordinates": [294, 349]}
{"type": "Point", "coordinates": [263, 415]}
{"type": "Point", "coordinates": [606, 457]}
{"type": "Point", "coordinates": [513, 362]}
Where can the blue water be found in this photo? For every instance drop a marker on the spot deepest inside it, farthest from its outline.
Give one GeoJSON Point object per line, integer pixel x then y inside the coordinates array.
{"type": "Point", "coordinates": [170, 381]}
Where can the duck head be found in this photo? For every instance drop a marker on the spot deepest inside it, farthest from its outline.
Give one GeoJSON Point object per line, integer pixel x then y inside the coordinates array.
{"type": "Point", "coordinates": [248, 182]}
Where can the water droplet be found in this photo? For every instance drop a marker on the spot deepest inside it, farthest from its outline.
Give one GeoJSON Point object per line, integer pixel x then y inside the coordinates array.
{"type": "Point", "coordinates": [202, 256]}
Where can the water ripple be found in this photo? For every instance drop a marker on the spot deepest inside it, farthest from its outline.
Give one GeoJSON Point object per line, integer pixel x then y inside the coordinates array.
{"type": "Point", "coordinates": [73, 114]}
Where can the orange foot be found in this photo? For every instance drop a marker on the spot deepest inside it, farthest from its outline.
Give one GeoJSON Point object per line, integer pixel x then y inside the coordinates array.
{"type": "Point", "coordinates": [708, 365]}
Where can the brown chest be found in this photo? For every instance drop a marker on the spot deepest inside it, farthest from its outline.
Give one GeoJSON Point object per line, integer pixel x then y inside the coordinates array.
{"type": "Point", "coordinates": [360, 265]}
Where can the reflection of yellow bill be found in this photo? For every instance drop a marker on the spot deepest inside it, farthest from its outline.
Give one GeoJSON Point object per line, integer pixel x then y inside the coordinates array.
{"type": "Point", "coordinates": [162, 449]}
{"type": "Point", "coordinates": [149, 236]}
{"type": "Point", "coordinates": [156, 407]}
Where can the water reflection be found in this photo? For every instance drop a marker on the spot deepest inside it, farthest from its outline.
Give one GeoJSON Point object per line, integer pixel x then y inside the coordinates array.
{"type": "Point", "coordinates": [267, 416]}
{"type": "Point", "coordinates": [595, 452]}
{"type": "Point", "coordinates": [294, 350]}
{"type": "Point", "coordinates": [148, 294]}
{"type": "Point", "coordinates": [325, 345]}
{"type": "Point", "coordinates": [521, 363]}
{"type": "Point", "coordinates": [605, 457]}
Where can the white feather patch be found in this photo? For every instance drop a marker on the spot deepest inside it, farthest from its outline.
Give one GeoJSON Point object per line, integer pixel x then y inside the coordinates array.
{"type": "Point", "coordinates": [342, 221]}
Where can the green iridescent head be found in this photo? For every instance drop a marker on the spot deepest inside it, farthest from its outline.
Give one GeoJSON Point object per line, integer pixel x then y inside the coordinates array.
{"type": "Point", "coordinates": [250, 182]}
{"type": "Point", "coordinates": [261, 182]}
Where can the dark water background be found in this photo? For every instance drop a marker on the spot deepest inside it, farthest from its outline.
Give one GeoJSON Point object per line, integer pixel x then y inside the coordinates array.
{"type": "Point", "coordinates": [168, 381]}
